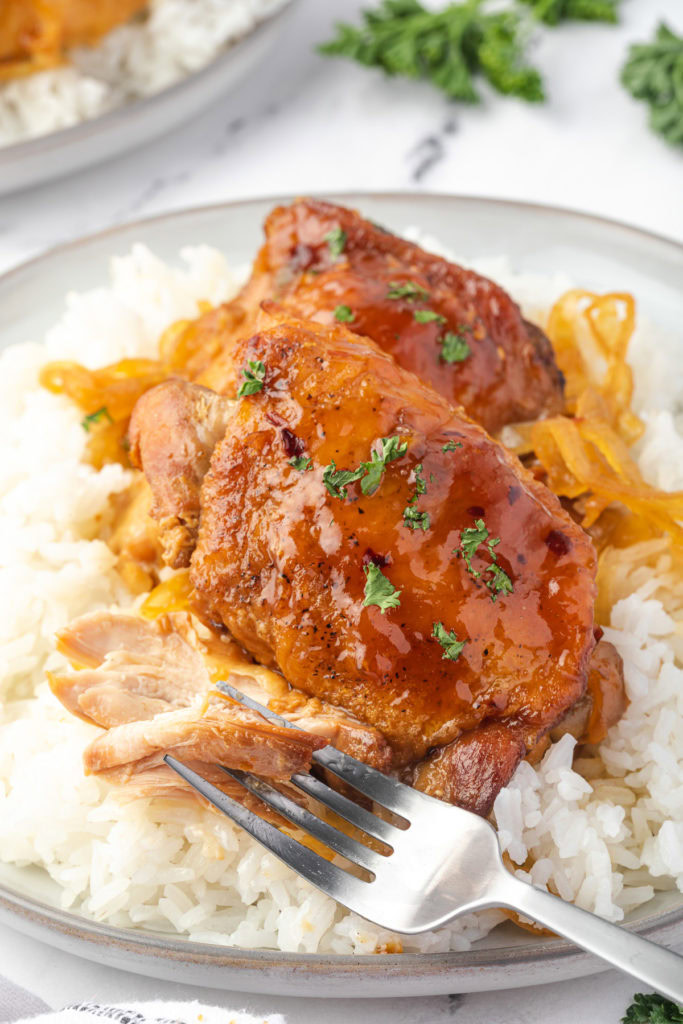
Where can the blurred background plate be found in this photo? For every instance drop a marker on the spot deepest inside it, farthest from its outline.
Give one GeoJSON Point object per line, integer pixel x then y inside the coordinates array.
{"type": "Point", "coordinates": [90, 142]}
{"type": "Point", "coordinates": [595, 253]}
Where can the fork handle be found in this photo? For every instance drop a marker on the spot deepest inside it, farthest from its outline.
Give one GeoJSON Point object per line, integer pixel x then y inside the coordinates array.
{"type": "Point", "coordinates": [658, 967]}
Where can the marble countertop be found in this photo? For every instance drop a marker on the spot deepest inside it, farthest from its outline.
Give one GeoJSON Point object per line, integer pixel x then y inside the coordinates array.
{"type": "Point", "coordinates": [309, 124]}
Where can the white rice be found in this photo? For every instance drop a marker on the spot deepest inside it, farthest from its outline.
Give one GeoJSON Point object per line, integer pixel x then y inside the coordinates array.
{"type": "Point", "coordinates": [605, 832]}
{"type": "Point", "coordinates": [172, 40]}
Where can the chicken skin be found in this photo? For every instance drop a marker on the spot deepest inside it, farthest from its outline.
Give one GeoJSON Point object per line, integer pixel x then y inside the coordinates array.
{"type": "Point", "coordinates": [459, 332]}
{"type": "Point", "coordinates": [434, 589]}
{"type": "Point", "coordinates": [35, 33]}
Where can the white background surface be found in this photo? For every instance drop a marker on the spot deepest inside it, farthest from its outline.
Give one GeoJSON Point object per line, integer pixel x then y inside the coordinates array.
{"type": "Point", "coordinates": [308, 124]}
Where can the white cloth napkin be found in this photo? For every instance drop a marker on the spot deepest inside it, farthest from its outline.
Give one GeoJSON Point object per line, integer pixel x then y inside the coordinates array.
{"type": "Point", "coordinates": [138, 1013]}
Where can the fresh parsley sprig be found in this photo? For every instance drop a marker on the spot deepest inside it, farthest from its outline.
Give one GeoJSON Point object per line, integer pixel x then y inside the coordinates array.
{"type": "Point", "coordinates": [447, 48]}
{"type": "Point", "coordinates": [654, 72]}
{"type": "Point", "coordinates": [379, 590]}
{"type": "Point", "coordinates": [652, 1009]}
{"type": "Point", "coordinates": [552, 12]}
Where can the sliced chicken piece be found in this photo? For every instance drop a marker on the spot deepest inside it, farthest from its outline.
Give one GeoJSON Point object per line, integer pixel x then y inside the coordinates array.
{"type": "Point", "coordinates": [173, 430]}
{"type": "Point", "coordinates": [220, 733]}
{"type": "Point", "coordinates": [136, 668]}
{"type": "Point", "coordinates": [140, 668]}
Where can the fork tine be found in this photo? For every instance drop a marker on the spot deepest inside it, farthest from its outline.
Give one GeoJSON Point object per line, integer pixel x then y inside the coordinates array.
{"type": "Point", "coordinates": [386, 791]}
{"type": "Point", "coordinates": [304, 819]}
{"type": "Point", "coordinates": [345, 808]}
{"type": "Point", "coordinates": [331, 879]}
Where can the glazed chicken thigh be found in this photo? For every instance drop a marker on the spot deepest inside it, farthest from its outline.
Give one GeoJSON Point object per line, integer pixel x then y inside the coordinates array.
{"type": "Point", "coordinates": [372, 543]}
{"type": "Point", "coordinates": [459, 332]}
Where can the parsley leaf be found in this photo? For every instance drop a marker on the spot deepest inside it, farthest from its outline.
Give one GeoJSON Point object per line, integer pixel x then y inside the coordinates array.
{"type": "Point", "coordinates": [100, 414]}
{"type": "Point", "coordinates": [336, 242]}
{"type": "Point", "coordinates": [654, 72]}
{"type": "Point", "coordinates": [344, 315]}
{"type": "Point", "coordinates": [420, 482]}
{"type": "Point", "coordinates": [415, 520]}
{"type": "Point", "coordinates": [452, 647]}
{"type": "Point", "coordinates": [408, 290]}
{"type": "Point", "coordinates": [552, 12]}
{"type": "Point", "coordinates": [253, 378]}
{"type": "Point", "coordinates": [471, 538]}
{"type": "Point", "coordinates": [450, 446]}
{"type": "Point", "coordinates": [652, 1009]}
{"type": "Point", "coordinates": [427, 316]}
{"type": "Point", "coordinates": [379, 590]}
{"type": "Point", "coordinates": [301, 462]}
{"type": "Point", "coordinates": [392, 448]}
{"type": "Point", "coordinates": [335, 480]}
{"type": "Point", "coordinates": [454, 347]}
{"type": "Point", "coordinates": [446, 47]}
{"type": "Point", "coordinates": [500, 583]}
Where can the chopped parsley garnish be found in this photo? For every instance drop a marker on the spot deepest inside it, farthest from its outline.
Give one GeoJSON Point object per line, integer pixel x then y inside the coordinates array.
{"type": "Point", "coordinates": [500, 582]}
{"type": "Point", "coordinates": [336, 242]}
{"type": "Point", "coordinates": [470, 540]}
{"type": "Point", "coordinates": [428, 316]}
{"type": "Point", "coordinates": [335, 480]}
{"type": "Point", "coordinates": [408, 290]}
{"type": "Point", "coordinates": [253, 378]}
{"type": "Point", "coordinates": [451, 446]}
{"type": "Point", "coordinates": [344, 314]}
{"type": "Point", "coordinates": [454, 347]}
{"type": "Point", "coordinates": [420, 482]}
{"type": "Point", "coordinates": [370, 473]}
{"type": "Point", "coordinates": [301, 462]}
{"type": "Point", "coordinates": [392, 448]}
{"type": "Point", "coordinates": [379, 590]}
{"type": "Point", "coordinates": [649, 1008]}
{"type": "Point", "coordinates": [415, 520]}
{"type": "Point", "coordinates": [95, 417]}
{"type": "Point", "coordinates": [452, 647]}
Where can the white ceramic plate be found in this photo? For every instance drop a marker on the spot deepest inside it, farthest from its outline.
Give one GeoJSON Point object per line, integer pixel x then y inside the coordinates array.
{"type": "Point", "coordinates": [90, 142]}
{"type": "Point", "coordinates": [595, 253]}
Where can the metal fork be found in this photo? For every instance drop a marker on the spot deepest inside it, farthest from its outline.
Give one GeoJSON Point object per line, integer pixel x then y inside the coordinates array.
{"type": "Point", "coordinates": [442, 861]}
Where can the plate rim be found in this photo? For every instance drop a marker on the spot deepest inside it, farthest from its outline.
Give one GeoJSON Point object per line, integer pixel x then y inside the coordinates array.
{"type": "Point", "coordinates": [35, 913]}
{"type": "Point", "coordinates": [638, 233]}
{"type": "Point", "coordinates": [41, 145]}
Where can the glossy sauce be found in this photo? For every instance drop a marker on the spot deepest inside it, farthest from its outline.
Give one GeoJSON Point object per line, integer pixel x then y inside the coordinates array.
{"type": "Point", "coordinates": [280, 561]}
